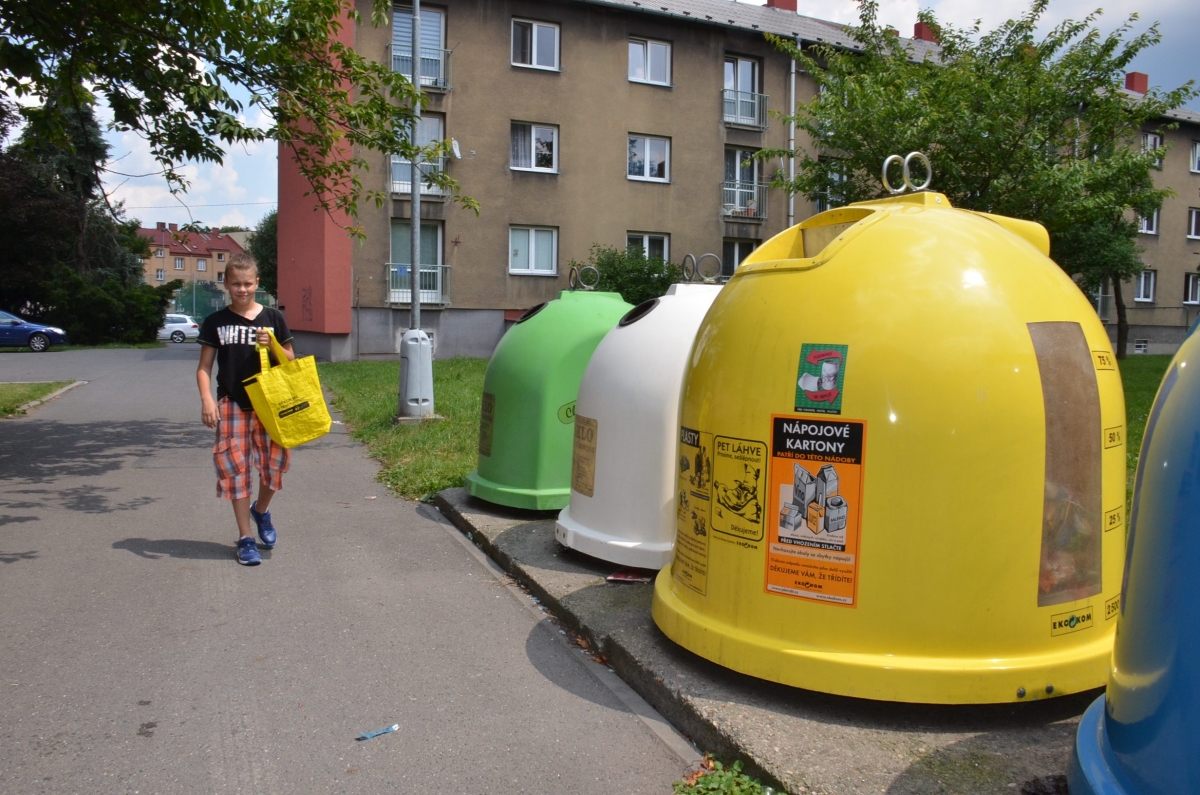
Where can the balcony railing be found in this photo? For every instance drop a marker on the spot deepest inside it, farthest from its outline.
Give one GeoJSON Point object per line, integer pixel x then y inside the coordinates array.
{"type": "Point", "coordinates": [744, 201]}
{"type": "Point", "coordinates": [402, 176]}
{"type": "Point", "coordinates": [744, 108]}
{"type": "Point", "coordinates": [434, 285]}
{"type": "Point", "coordinates": [435, 67]}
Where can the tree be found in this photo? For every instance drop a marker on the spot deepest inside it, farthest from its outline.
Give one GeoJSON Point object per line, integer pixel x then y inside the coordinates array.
{"type": "Point", "coordinates": [1034, 128]}
{"type": "Point", "coordinates": [264, 248]}
{"type": "Point", "coordinates": [166, 70]}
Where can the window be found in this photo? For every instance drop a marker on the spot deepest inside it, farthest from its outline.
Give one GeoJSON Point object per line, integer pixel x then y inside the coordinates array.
{"type": "Point", "coordinates": [1148, 225]}
{"type": "Point", "coordinates": [742, 104]}
{"type": "Point", "coordinates": [220, 257]}
{"type": "Point", "coordinates": [649, 245]}
{"type": "Point", "coordinates": [534, 44]}
{"type": "Point", "coordinates": [160, 275]}
{"type": "Point", "coordinates": [649, 158]}
{"type": "Point", "coordinates": [435, 72]}
{"type": "Point", "coordinates": [1145, 285]}
{"type": "Point", "coordinates": [1141, 346]}
{"type": "Point", "coordinates": [532, 250]}
{"type": "Point", "coordinates": [833, 195]}
{"type": "Point", "coordinates": [534, 147]}
{"type": "Point", "coordinates": [1195, 157]}
{"type": "Point", "coordinates": [179, 263]}
{"type": "Point", "coordinates": [220, 277]}
{"type": "Point", "coordinates": [432, 278]}
{"type": "Point", "coordinates": [201, 265]}
{"type": "Point", "coordinates": [429, 130]}
{"type": "Point", "coordinates": [1193, 230]}
{"type": "Point", "coordinates": [650, 62]}
{"type": "Point", "coordinates": [158, 252]}
{"type": "Point", "coordinates": [1191, 288]}
{"type": "Point", "coordinates": [732, 254]}
{"type": "Point", "coordinates": [1152, 142]}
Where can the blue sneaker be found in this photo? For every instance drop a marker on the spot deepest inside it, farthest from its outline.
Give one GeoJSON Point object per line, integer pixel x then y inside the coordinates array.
{"type": "Point", "coordinates": [247, 552]}
{"type": "Point", "coordinates": [266, 530]}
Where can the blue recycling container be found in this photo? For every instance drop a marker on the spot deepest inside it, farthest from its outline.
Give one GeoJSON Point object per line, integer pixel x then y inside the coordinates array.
{"type": "Point", "coordinates": [1143, 736]}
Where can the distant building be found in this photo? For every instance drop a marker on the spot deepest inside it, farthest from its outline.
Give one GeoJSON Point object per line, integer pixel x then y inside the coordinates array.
{"type": "Point", "coordinates": [190, 256]}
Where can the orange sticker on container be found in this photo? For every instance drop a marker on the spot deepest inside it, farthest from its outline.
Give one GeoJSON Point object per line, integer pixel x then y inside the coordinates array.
{"type": "Point", "coordinates": [815, 508]}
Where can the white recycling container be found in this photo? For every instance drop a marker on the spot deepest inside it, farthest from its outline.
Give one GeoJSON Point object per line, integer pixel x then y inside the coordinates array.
{"type": "Point", "coordinates": [623, 473]}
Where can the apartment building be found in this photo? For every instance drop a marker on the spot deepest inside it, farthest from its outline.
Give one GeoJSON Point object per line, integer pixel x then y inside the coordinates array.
{"type": "Point", "coordinates": [1164, 300]}
{"type": "Point", "coordinates": [576, 123]}
{"type": "Point", "coordinates": [190, 256]}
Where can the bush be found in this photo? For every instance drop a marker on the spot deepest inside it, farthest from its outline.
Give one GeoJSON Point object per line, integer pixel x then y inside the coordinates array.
{"type": "Point", "coordinates": [95, 311]}
{"type": "Point", "coordinates": [632, 275]}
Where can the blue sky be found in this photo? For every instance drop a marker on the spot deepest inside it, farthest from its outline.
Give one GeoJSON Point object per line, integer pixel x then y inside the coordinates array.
{"type": "Point", "coordinates": [243, 189]}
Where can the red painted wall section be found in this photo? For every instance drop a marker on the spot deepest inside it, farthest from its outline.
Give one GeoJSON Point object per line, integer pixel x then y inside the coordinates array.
{"type": "Point", "coordinates": [314, 251]}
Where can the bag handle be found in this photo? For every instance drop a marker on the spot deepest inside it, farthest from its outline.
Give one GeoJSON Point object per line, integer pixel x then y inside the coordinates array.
{"type": "Point", "coordinates": [280, 354]}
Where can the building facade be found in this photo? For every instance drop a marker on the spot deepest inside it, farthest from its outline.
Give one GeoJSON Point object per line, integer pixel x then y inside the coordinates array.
{"type": "Point", "coordinates": [189, 256]}
{"type": "Point", "coordinates": [1164, 300]}
{"type": "Point", "coordinates": [576, 124]}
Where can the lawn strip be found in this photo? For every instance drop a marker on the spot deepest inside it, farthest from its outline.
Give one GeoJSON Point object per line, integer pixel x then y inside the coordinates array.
{"type": "Point", "coordinates": [418, 460]}
{"type": "Point", "coordinates": [13, 396]}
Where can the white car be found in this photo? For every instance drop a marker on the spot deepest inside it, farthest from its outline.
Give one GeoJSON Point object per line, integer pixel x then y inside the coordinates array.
{"type": "Point", "coordinates": [179, 328]}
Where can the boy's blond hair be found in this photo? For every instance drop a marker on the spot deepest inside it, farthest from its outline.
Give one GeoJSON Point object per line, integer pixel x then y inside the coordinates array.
{"type": "Point", "coordinates": [241, 263]}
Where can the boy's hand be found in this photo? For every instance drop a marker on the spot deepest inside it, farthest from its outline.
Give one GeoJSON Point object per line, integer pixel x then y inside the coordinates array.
{"type": "Point", "coordinates": [263, 337]}
{"type": "Point", "coordinates": [209, 414]}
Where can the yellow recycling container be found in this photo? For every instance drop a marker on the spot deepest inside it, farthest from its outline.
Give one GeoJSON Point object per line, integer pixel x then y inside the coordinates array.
{"type": "Point", "coordinates": [912, 488]}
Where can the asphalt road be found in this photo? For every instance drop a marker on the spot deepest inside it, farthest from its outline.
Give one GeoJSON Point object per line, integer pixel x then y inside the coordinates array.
{"type": "Point", "coordinates": [136, 656]}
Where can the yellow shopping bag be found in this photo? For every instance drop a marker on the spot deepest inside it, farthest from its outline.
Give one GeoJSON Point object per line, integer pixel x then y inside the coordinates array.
{"type": "Point", "coordinates": [287, 398]}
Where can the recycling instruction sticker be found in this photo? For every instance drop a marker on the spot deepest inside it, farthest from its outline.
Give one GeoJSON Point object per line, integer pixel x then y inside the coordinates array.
{"type": "Point", "coordinates": [820, 378]}
{"type": "Point", "coordinates": [815, 494]}
{"type": "Point", "coordinates": [583, 462]}
{"type": "Point", "coordinates": [689, 566]}
{"type": "Point", "coordinates": [739, 476]}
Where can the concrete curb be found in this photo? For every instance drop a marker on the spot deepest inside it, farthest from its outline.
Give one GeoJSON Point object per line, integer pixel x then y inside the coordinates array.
{"type": "Point", "coordinates": [35, 403]}
{"type": "Point", "coordinates": [798, 741]}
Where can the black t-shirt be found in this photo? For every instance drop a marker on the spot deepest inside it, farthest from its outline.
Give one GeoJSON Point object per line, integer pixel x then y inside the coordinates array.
{"type": "Point", "coordinates": [237, 359]}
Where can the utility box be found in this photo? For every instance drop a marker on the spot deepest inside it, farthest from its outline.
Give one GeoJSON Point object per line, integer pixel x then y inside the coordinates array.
{"type": "Point", "coordinates": [527, 420]}
{"type": "Point", "coordinates": [955, 400]}
{"type": "Point", "coordinates": [1141, 736]}
{"type": "Point", "coordinates": [628, 461]}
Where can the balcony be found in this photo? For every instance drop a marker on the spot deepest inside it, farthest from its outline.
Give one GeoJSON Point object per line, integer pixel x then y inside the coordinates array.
{"type": "Point", "coordinates": [744, 108]}
{"type": "Point", "coordinates": [435, 67]}
{"type": "Point", "coordinates": [744, 201]}
{"type": "Point", "coordinates": [402, 176]}
{"type": "Point", "coordinates": [435, 284]}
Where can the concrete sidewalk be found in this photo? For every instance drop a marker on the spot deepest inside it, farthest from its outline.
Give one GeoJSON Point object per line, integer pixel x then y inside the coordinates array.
{"type": "Point", "coordinates": [137, 656]}
{"type": "Point", "coordinates": [802, 741]}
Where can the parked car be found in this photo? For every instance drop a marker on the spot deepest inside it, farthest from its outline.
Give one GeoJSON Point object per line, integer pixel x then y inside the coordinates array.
{"type": "Point", "coordinates": [179, 328]}
{"type": "Point", "coordinates": [18, 333]}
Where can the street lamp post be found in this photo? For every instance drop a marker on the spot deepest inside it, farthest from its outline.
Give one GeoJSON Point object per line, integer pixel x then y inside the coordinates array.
{"type": "Point", "coordinates": [416, 351]}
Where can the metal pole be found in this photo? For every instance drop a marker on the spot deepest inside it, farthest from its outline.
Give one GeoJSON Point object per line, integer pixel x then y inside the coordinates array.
{"type": "Point", "coordinates": [416, 351]}
{"type": "Point", "coordinates": [414, 315]}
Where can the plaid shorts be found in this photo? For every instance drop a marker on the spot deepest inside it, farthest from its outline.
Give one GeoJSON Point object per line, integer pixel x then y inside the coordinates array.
{"type": "Point", "coordinates": [242, 446]}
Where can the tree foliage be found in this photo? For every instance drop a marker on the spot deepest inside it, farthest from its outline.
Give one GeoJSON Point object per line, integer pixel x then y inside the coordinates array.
{"type": "Point", "coordinates": [1031, 127]}
{"type": "Point", "coordinates": [264, 248]}
{"type": "Point", "coordinates": [167, 70]}
{"type": "Point", "coordinates": [65, 259]}
{"type": "Point", "coordinates": [630, 273]}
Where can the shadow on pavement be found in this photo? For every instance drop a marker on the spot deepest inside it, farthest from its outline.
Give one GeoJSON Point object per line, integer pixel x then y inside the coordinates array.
{"type": "Point", "coordinates": [8, 519]}
{"type": "Point", "coordinates": [182, 548]}
{"type": "Point", "coordinates": [37, 451]}
{"type": "Point", "coordinates": [13, 557]}
{"type": "Point", "coordinates": [555, 664]}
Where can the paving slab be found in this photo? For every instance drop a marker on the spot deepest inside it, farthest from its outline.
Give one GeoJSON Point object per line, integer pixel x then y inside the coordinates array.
{"type": "Point", "coordinates": [798, 740]}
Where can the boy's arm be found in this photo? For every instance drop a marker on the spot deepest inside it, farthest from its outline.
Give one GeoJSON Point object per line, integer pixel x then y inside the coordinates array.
{"type": "Point", "coordinates": [208, 406]}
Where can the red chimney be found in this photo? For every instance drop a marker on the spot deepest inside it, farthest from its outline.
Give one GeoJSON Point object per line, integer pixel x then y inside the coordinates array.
{"type": "Point", "coordinates": [174, 227]}
{"type": "Point", "coordinates": [923, 32]}
{"type": "Point", "coordinates": [782, 5]}
{"type": "Point", "coordinates": [1138, 82]}
{"type": "Point", "coordinates": [162, 224]}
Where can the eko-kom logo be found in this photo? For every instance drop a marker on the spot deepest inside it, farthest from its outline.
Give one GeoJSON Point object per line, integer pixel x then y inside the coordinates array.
{"type": "Point", "coordinates": [1066, 623]}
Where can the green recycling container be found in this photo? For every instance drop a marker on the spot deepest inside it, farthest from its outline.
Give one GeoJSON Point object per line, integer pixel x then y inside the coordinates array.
{"type": "Point", "coordinates": [527, 421]}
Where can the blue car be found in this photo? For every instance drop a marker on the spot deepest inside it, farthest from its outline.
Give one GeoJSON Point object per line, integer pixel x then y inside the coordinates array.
{"type": "Point", "coordinates": [18, 333]}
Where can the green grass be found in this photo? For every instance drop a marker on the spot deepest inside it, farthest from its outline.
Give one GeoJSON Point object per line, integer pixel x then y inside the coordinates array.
{"type": "Point", "coordinates": [418, 460]}
{"type": "Point", "coordinates": [57, 348]}
{"type": "Point", "coordinates": [13, 396]}
{"type": "Point", "coordinates": [421, 460]}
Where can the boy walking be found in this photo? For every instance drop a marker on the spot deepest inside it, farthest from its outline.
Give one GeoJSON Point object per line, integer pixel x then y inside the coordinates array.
{"type": "Point", "coordinates": [228, 337]}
